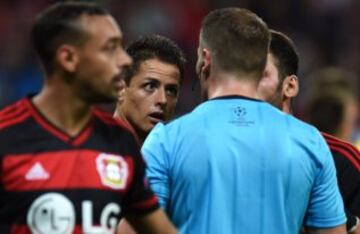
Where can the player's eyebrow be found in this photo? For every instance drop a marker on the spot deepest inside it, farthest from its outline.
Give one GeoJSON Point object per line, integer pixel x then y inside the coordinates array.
{"type": "Point", "coordinates": [114, 39]}
{"type": "Point", "coordinates": [149, 78]}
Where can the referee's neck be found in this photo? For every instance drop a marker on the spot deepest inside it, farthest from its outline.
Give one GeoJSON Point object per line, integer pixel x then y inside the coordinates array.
{"type": "Point", "coordinates": [226, 86]}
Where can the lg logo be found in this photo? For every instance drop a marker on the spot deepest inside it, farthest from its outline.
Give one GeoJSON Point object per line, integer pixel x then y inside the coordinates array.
{"type": "Point", "coordinates": [54, 213]}
{"type": "Point", "coordinates": [51, 213]}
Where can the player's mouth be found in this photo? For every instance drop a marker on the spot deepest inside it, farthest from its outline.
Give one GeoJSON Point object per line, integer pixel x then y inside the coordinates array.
{"type": "Point", "coordinates": [156, 117]}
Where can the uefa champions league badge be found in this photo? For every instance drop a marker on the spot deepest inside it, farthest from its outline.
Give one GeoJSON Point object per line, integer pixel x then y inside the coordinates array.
{"type": "Point", "coordinates": [240, 117]}
{"type": "Point", "coordinates": [113, 170]}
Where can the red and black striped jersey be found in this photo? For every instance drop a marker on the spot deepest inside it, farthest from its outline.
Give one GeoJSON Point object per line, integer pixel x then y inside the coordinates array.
{"type": "Point", "coordinates": [347, 163]}
{"type": "Point", "coordinates": [54, 183]}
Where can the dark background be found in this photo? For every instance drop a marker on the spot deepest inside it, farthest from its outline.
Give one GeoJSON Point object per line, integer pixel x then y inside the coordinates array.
{"type": "Point", "coordinates": [326, 33]}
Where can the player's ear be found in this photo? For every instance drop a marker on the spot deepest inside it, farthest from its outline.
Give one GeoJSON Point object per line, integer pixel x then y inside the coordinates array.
{"type": "Point", "coordinates": [290, 87]}
{"type": "Point", "coordinates": [67, 58]}
{"type": "Point", "coordinates": [205, 68]}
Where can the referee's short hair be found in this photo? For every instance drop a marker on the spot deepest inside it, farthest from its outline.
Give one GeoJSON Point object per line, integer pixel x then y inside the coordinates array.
{"type": "Point", "coordinates": [238, 40]}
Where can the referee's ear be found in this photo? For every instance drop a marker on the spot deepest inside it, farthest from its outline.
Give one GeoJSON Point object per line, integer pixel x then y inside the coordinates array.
{"type": "Point", "coordinates": [205, 65]}
{"type": "Point", "coordinates": [67, 58]}
{"type": "Point", "coordinates": [290, 88]}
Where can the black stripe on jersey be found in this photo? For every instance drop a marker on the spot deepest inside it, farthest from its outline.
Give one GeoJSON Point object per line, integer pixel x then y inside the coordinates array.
{"type": "Point", "coordinates": [109, 120]}
{"type": "Point", "coordinates": [15, 205]}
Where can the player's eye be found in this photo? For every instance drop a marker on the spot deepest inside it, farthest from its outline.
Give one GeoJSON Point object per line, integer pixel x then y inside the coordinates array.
{"type": "Point", "coordinates": [111, 47]}
{"type": "Point", "coordinates": [150, 86]}
{"type": "Point", "coordinates": [172, 91]}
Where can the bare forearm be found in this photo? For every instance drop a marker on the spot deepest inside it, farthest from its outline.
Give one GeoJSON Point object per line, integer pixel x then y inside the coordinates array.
{"type": "Point", "coordinates": [335, 230]}
{"type": "Point", "coordinates": [154, 223]}
{"type": "Point", "coordinates": [125, 228]}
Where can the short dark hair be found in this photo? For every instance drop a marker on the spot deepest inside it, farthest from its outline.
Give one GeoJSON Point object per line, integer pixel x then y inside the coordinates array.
{"type": "Point", "coordinates": [285, 54]}
{"type": "Point", "coordinates": [58, 25]}
{"type": "Point", "coordinates": [154, 47]}
{"type": "Point", "coordinates": [238, 40]}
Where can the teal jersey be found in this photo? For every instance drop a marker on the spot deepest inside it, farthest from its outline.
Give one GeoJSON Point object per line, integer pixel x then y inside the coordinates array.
{"type": "Point", "coordinates": [239, 165]}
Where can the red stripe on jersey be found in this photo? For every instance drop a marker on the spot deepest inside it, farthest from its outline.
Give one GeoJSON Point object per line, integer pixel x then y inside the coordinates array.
{"type": "Point", "coordinates": [12, 107]}
{"type": "Point", "coordinates": [73, 169]}
{"type": "Point", "coordinates": [145, 204]}
{"type": "Point", "coordinates": [12, 114]}
{"type": "Point", "coordinates": [347, 146]}
{"type": "Point", "coordinates": [83, 136]}
{"type": "Point", "coordinates": [46, 125]}
{"type": "Point", "coordinates": [352, 150]}
{"type": "Point", "coordinates": [24, 229]}
{"type": "Point", "coordinates": [20, 229]}
{"type": "Point", "coordinates": [344, 148]}
{"type": "Point", "coordinates": [130, 129]}
{"type": "Point", "coordinates": [15, 120]}
{"type": "Point", "coordinates": [346, 154]}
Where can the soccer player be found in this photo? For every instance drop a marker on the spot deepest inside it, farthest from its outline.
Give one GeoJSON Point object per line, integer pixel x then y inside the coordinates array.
{"type": "Point", "coordinates": [152, 83]}
{"type": "Point", "coordinates": [332, 102]}
{"type": "Point", "coordinates": [236, 164]}
{"type": "Point", "coordinates": [279, 86]}
{"type": "Point", "coordinates": [67, 167]}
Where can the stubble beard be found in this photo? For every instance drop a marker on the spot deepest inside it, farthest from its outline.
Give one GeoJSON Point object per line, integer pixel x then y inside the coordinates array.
{"type": "Point", "coordinates": [276, 98]}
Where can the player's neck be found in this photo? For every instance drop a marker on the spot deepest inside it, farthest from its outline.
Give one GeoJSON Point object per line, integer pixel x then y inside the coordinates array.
{"type": "Point", "coordinates": [343, 134]}
{"type": "Point", "coordinates": [119, 114]}
{"type": "Point", "coordinates": [286, 107]}
{"type": "Point", "coordinates": [231, 85]}
{"type": "Point", "coordinates": [62, 108]}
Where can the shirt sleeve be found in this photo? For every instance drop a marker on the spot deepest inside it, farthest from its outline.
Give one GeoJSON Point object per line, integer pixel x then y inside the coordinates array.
{"type": "Point", "coordinates": [139, 200]}
{"type": "Point", "coordinates": [326, 207]}
{"type": "Point", "coordinates": [346, 159]}
{"type": "Point", "coordinates": [157, 169]}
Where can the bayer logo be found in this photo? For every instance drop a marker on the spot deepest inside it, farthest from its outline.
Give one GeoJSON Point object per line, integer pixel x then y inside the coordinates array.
{"type": "Point", "coordinates": [51, 213]}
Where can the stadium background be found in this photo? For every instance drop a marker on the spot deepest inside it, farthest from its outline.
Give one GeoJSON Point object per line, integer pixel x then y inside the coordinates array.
{"type": "Point", "coordinates": [326, 33]}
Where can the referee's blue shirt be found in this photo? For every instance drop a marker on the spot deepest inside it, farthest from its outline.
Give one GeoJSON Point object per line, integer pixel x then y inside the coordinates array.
{"type": "Point", "coordinates": [239, 165]}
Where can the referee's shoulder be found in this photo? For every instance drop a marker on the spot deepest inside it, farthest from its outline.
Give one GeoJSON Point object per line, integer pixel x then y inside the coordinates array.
{"type": "Point", "coordinates": [177, 119]}
{"type": "Point", "coordinates": [301, 128]}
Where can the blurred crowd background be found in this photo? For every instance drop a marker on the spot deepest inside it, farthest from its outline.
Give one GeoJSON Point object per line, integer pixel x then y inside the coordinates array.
{"type": "Point", "coordinates": [326, 33]}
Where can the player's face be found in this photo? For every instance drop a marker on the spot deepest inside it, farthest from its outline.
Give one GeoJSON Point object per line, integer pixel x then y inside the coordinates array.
{"type": "Point", "coordinates": [270, 87]}
{"type": "Point", "coordinates": [101, 60]}
{"type": "Point", "coordinates": [350, 117]}
{"type": "Point", "coordinates": [152, 95]}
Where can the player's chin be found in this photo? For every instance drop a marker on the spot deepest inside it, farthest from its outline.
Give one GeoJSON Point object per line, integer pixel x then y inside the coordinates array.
{"type": "Point", "coordinates": [148, 126]}
{"type": "Point", "coordinates": [104, 97]}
